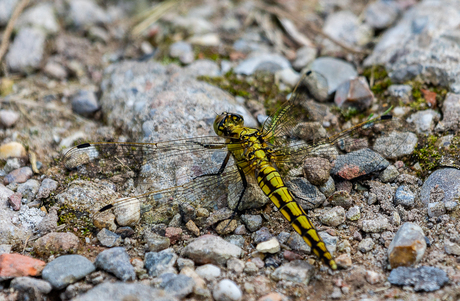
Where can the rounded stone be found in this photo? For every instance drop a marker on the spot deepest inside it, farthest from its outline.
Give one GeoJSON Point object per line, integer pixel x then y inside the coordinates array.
{"type": "Point", "coordinates": [66, 270]}
{"type": "Point", "coordinates": [333, 217]}
{"type": "Point", "coordinates": [227, 290]}
{"type": "Point", "coordinates": [208, 272]}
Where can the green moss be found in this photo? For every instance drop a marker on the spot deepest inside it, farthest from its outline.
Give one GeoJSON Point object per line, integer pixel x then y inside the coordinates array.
{"type": "Point", "coordinates": [381, 80]}
{"type": "Point", "coordinates": [427, 154]}
{"type": "Point", "coordinates": [261, 87]}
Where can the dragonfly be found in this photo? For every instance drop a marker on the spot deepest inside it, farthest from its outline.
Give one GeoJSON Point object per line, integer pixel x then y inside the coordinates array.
{"type": "Point", "coordinates": [199, 171]}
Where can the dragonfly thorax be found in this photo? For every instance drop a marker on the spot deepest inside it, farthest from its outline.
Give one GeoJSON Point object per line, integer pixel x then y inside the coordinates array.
{"type": "Point", "coordinates": [225, 124]}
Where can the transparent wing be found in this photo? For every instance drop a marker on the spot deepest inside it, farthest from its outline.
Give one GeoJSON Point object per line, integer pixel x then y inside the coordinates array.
{"type": "Point", "coordinates": [195, 171]}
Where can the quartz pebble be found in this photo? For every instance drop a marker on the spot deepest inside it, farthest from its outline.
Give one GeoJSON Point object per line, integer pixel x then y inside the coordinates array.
{"type": "Point", "coordinates": [12, 149]}
{"type": "Point", "coordinates": [8, 118]}
{"type": "Point", "coordinates": [208, 272]}
{"type": "Point", "coordinates": [227, 290]}
{"type": "Point", "coordinates": [408, 246]}
{"type": "Point", "coordinates": [270, 246]}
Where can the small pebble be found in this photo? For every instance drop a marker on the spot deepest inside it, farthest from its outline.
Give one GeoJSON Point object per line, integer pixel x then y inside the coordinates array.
{"type": "Point", "coordinates": [184, 262]}
{"type": "Point", "coordinates": [161, 262]}
{"type": "Point", "coordinates": [451, 248]}
{"type": "Point", "coordinates": [427, 279]}
{"type": "Point", "coordinates": [26, 284]}
{"type": "Point", "coordinates": [108, 238]}
{"type": "Point", "coordinates": [271, 246]}
{"type": "Point", "coordinates": [408, 246]}
{"type": "Point", "coordinates": [263, 234]}
{"type": "Point", "coordinates": [8, 118]}
{"type": "Point", "coordinates": [57, 242]}
{"type": "Point", "coordinates": [227, 290]}
{"type": "Point", "coordinates": [333, 217]}
{"type": "Point", "coordinates": [192, 227]}
{"type": "Point", "coordinates": [85, 103]}
{"type": "Point", "coordinates": [14, 201]}
{"type": "Point", "coordinates": [343, 261]}
{"type": "Point", "coordinates": [354, 213]}
{"type": "Point", "coordinates": [12, 149]}
{"type": "Point", "coordinates": [250, 268]}
{"type": "Point", "coordinates": [235, 265]}
{"type": "Point", "coordinates": [208, 272]}
{"type": "Point", "coordinates": [117, 262]}
{"type": "Point", "coordinates": [373, 277]}
{"type": "Point", "coordinates": [66, 270]}
{"type": "Point", "coordinates": [366, 245]}
{"type": "Point", "coordinates": [156, 242]}
{"type": "Point", "coordinates": [20, 175]}
{"type": "Point", "coordinates": [252, 222]}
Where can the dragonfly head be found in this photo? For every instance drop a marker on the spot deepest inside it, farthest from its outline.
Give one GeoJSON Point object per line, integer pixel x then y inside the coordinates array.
{"type": "Point", "coordinates": [225, 123]}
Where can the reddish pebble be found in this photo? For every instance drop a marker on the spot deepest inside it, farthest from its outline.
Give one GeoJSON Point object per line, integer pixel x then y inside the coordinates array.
{"type": "Point", "coordinates": [174, 234]}
{"type": "Point", "coordinates": [57, 242]}
{"type": "Point", "coordinates": [19, 175]}
{"type": "Point", "coordinates": [15, 200]}
{"type": "Point", "coordinates": [291, 255]}
{"type": "Point", "coordinates": [17, 265]}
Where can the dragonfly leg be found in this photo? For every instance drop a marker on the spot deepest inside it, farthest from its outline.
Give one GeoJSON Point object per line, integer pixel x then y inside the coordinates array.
{"type": "Point", "coordinates": [245, 185]}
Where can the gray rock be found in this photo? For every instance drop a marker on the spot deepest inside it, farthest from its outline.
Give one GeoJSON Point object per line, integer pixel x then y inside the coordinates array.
{"type": "Point", "coordinates": [330, 241]}
{"type": "Point", "coordinates": [404, 92]}
{"type": "Point", "coordinates": [108, 238]}
{"type": "Point", "coordinates": [237, 240]}
{"type": "Point", "coordinates": [208, 272]}
{"type": "Point", "coordinates": [366, 245]}
{"type": "Point", "coordinates": [211, 249]}
{"type": "Point", "coordinates": [262, 62]}
{"type": "Point", "coordinates": [451, 248]}
{"type": "Point", "coordinates": [375, 225]}
{"type": "Point", "coordinates": [297, 271]}
{"type": "Point", "coordinates": [354, 213]}
{"type": "Point", "coordinates": [156, 242]}
{"type": "Point", "coordinates": [178, 286]}
{"type": "Point", "coordinates": [436, 209]}
{"type": "Point", "coordinates": [252, 222]}
{"type": "Point", "coordinates": [341, 198]}
{"type": "Point", "coordinates": [46, 188]}
{"type": "Point", "coordinates": [304, 56]}
{"type": "Point", "coordinates": [55, 70]}
{"type": "Point", "coordinates": [354, 93]}
{"type": "Point", "coordinates": [227, 290]}
{"type": "Point", "coordinates": [396, 144]}
{"type": "Point", "coordinates": [29, 189]}
{"type": "Point", "coordinates": [297, 243]}
{"type": "Point", "coordinates": [329, 74]}
{"type": "Point", "coordinates": [49, 222]}
{"type": "Point", "coordinates": [328, 188]}
{"type": "Point", "coordinates": [345, 27]}
{"type": "Point", "coordinates": [86, 195]}
{"type": "Point", "coordinates": [424, 120]}
{"type": "Point", "coordinates": [67, 269]}
{"type": "Point", "coordinates": [29, 288]}
{"type": "Point", "coordinates": [26, 52]}
{"type": "Point", "coordinates": [389, 174]}
{"type": "Point", "coordinates": [446, 180]}
{"type": "Point", "coordinates": [450, 113]}
{"type": "Point", "coordinates": [116, 261]}
{"type": "Point", "coordinates": [202, 68]}
{"type": "Point", "coordinates": [119, 291]}
{"type": "Point", "coordinates": [309, 196]}
{"type": "Point", "coordinates": [84, 103]}
{"type": "Point", "coordinates": [235, 265]}
{"type": "Point", "coordinates": [358, 163]}
{"type": "Point", "coordinates": [161, 262]}
{"type": "Point", "coordinates": [381, 14]}
{"type": "Point", "coordinates": [427, 279]}
{"type": "Point", "coordinates": [85, 13]}
{"type": "Point", "coordinates": [183, 262]}
{"type": "Point", "coordinates": [333, 217]}
{"type": "Point", "coordinates": [261, 235]}
{"type": "Point", "coordinates": [428, 33]}
{"type": "Point", "coordinates": [405, 197]}
{"type": "Point", "coordinates": [8, 118]}
{"type": "Point", "coordinates": [407, 247]}
{"type": "Point", "coordinates": [6, 9]}
{"type": "Point", "coordinates": [183, 51]}
{"type": "Point", "coordinates": [4, 248]}
{"type": "Point", "coordinates": [39, 16]}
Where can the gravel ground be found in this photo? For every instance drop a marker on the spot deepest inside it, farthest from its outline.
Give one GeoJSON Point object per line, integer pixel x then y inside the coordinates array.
{"type": "Point", "coordinates": [384, 203]}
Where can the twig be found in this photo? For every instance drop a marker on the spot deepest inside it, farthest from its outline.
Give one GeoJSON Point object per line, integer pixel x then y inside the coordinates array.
{"type": "Point", "coordinates": [9, 27]}
{"type": "Point", "coordinates": [279, 12]}
{"type": "Point", "coordinates": [153, 15]}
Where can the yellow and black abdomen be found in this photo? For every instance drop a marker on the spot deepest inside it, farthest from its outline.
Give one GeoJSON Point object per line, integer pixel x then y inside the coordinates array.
{"type": "Point", "coordinates": [273, 186]}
